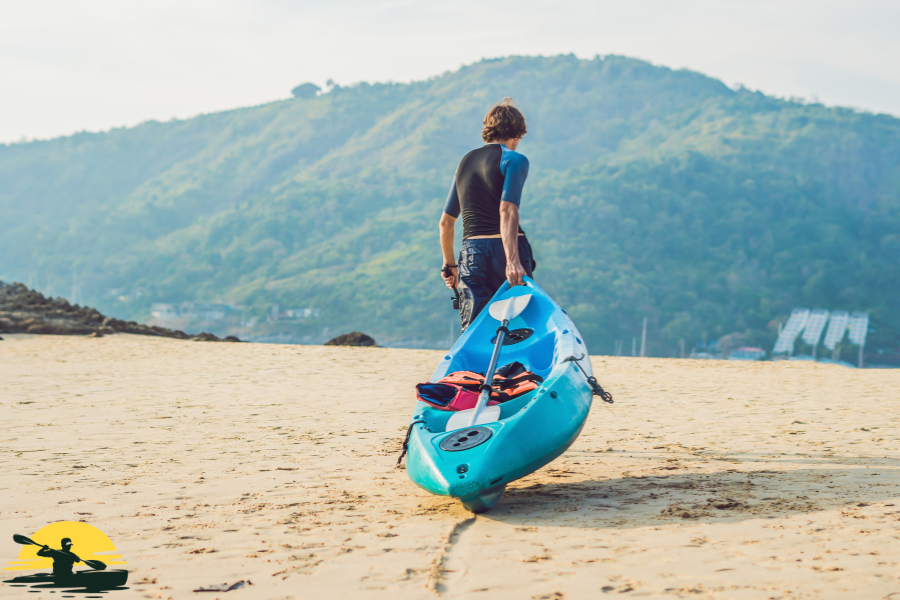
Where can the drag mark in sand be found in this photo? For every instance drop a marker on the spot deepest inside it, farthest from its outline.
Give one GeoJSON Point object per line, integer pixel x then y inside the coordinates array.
{"type": "Point", "coordinates": [436, 575]}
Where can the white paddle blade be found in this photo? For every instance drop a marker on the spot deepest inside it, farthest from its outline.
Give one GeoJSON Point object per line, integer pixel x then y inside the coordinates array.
{"type": "Point", "coordinates": [510, 308]}
{"type": "Point", "coordinates": [461, 418]}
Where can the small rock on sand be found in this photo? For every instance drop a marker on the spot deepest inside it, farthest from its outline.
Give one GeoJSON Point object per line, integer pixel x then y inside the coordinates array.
{"type": "Point", "coordinates": [354, 338]}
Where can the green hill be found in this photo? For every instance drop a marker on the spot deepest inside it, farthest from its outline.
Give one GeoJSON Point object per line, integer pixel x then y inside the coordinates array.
{"type": "Point", "coordinates": [652, 192]}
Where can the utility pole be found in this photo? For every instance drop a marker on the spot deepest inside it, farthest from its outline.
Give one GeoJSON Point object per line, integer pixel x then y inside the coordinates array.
{"type": "Point", "coordinates": [634, 346]}
{"type": "Point", "coordinates": [644, 339]}
{"type": "Point", "coordinates": [861, 346]}
{"type": "Point", "coordinates": [682, 347]}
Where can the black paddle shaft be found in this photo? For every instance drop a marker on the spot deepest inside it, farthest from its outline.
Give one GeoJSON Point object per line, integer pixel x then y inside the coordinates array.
{"type": "Point", "coordinates": [495, 357]}
{"type": "Point", "coordinates": [485, 390]}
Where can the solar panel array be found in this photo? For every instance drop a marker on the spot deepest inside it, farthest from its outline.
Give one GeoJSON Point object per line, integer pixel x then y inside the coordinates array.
{"type": "Point", "coordinates": [836, 328]}
{"type": "Point", "coordinates": [859, 327]}
{"type": "Point", "coordinates": [791, 329]}
{"type": "Point", "coordinates": [814, 326]}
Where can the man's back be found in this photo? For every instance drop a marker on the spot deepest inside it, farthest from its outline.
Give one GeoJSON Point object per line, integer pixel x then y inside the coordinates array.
{"type": "Point", "coordinates": [485, 177]}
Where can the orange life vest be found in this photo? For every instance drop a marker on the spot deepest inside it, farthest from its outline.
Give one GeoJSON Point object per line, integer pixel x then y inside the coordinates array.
{"type": "Point", "coordinates": [504, 387]}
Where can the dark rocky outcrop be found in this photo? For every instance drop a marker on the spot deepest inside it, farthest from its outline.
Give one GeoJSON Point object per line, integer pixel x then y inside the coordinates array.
{"type": "Point", "coordinates": [353, 338]}
{"type": "Point", "coordinates": [26, 311]}
{"type": "Point", "coordinates": [206, 337]}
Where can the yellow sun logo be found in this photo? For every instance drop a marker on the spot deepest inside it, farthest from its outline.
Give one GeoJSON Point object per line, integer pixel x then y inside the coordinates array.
{"type": "Point", "coordinates": [88, 542]}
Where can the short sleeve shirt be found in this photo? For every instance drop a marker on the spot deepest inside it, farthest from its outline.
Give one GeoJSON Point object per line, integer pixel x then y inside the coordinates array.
{"type": "Point", "coordinates": [484, 178]}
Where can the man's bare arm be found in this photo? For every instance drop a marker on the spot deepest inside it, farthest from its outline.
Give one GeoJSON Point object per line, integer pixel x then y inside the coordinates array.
{"type": "Point", "coordinates": [509, 233]}
{"type": "Point", "coordinates": [447, 226]}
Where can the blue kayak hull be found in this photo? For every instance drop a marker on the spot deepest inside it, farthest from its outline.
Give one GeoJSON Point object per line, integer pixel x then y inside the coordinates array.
{"type": "Point", "coordinates": [532, 430]}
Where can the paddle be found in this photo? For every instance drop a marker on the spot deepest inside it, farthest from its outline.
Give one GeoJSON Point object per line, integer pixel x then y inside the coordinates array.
{"type": "Point", "coordinates": [504, 311]}
{"type": "Point", "coordinates": [21, 539]}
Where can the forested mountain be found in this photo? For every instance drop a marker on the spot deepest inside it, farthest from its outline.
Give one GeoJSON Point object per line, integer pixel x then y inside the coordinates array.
{"type": "Point", "coordinates": [652, 193]}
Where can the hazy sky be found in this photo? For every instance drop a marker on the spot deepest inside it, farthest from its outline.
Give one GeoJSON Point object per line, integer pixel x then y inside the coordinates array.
{"type": "Point", "coordinates": [93, 64]}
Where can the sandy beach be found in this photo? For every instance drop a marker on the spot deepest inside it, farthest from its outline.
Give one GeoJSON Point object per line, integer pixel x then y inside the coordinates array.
{"type": "Point", "coordinates": [209, 463]}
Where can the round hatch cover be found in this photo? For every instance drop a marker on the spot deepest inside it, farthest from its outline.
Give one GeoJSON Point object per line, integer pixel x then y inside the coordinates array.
{"type": "Point", "coordinates": [466, 438]}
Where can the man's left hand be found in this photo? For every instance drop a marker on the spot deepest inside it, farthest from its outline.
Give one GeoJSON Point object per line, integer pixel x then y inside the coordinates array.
{"type": "Point", "coordinates": [514, 273]}
{"type": "Point", "coordinates": [451, 277]}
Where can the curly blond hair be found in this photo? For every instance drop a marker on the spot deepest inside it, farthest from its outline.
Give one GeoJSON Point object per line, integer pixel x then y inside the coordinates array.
{"type": "Point", "coordinates": [504, 121]}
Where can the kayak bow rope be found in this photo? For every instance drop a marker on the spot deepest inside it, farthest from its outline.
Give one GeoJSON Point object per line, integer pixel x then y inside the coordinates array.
{"type": "Point", "coordinates": [504, 311]}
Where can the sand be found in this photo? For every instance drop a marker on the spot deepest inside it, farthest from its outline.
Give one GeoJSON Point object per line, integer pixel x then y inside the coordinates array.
{"type": "Point", "coordinates": [209, 463]}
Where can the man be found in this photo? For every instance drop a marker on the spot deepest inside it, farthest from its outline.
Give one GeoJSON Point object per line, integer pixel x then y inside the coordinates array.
{"type": "Point", "coordinates": [62, 559]}
{"type": "Point", "coordinates": [486, 190]}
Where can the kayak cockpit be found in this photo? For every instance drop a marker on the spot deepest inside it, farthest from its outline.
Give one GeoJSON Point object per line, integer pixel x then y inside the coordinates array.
{"type": "Point", "coordinates": [436, 420]}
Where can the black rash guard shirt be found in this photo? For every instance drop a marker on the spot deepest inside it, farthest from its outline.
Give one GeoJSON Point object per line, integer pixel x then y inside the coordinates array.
{"type": "Point", "coordinates": [484, 178]}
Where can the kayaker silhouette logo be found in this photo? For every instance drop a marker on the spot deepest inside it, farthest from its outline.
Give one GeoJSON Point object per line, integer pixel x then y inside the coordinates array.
{"type": "Point", "coordinates": [60, 548]}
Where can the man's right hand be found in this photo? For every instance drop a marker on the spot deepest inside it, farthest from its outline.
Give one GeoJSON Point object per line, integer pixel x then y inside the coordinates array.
{"type": "Point", "coordinates": [451, 277]}
{"type": "Point", "coordinates": [515, 273]}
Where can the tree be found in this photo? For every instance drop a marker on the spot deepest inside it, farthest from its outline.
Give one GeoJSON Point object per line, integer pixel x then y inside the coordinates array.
{"type": "Point", "coordinates": [306, 91]}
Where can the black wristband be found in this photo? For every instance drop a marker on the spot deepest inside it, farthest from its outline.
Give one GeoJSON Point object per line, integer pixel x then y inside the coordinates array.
{"type": "Point", "coordinates": [451, 266]}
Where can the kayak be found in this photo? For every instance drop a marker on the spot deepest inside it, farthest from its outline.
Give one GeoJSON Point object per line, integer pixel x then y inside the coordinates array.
{"type": "Point", "coordinates": [91, 580]}
{"type": "Point", "coordinates": [475, 463]}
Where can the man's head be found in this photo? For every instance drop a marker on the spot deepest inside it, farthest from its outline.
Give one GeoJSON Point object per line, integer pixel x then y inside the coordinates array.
{"type": "Point", "coordinates": [503, 122]}
{"type": "Point", "coordinates": [66, 543]}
